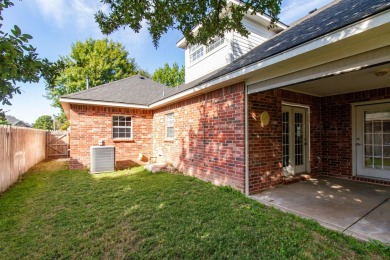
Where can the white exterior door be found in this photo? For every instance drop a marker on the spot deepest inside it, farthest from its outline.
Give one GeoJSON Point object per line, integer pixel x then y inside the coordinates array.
{"type": "Point", "coordinates": [372, 144]}
{"type": "Point", "coordinates": [294, 140]}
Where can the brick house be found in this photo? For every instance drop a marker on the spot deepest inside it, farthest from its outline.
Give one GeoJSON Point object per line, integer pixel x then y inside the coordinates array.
{"type": "Point", "coordinates": [309, 99]}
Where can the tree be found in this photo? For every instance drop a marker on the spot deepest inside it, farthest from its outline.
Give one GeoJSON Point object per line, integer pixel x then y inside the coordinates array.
{"type": "Point", "coordinates": [3, 121]}
{"type": "Point", "coordinates": [215, 17]}
{"type": "Point", "coordinates": [44, 122]}
{"type": "Point", "coordinates": [102, 61]}
{"type": "Point", "coordinates": [61, 122]}
{"type": "Point", "coordinates": [170, 76]}
{"type": "Point", "coordinates": [19, 61]}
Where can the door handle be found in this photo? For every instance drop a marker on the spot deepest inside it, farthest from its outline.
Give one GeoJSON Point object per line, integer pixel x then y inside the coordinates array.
{"type": "Point", "coordinates": [357, 144]}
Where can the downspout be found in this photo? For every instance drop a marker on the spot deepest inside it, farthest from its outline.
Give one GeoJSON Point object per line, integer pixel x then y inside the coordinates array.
{"type": "Point", "coordinates": [246, 140]}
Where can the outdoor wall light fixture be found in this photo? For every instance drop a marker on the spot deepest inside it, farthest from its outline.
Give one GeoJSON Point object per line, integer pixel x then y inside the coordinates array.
{"type": "Point", "coordinates": [264, 118]}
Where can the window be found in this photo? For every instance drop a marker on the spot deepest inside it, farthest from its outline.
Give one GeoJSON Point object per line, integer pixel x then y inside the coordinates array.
{"type": "Point", "coordinates": [169, 125]}
{"type": "Point", "coordinates": [121, 127]}
{"type": "Point", "coordinates": [214, 44]}
{"type": "Point", "coordinates": [196, 51]}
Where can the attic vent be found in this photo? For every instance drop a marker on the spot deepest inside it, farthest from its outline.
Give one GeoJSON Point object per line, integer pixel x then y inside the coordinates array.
{"type": "Point", "coordinates": [312, 11]}
{"type": "Point", "coordinates": [142, 77]}
{"type": "Point", "coordinates": [102, 159]}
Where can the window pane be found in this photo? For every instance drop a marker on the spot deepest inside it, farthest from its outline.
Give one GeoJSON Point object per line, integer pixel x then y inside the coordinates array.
{"type": "Point", "coordinates": [170, 132]}
{"type": "Point", "coordinates": [121, 127]}
{"type": "Point", "coordinates": [196, 54]}
{"type": "Point", "coordinates": [214, 44]}
{"type": "Point", "coordinates": [169, 125]}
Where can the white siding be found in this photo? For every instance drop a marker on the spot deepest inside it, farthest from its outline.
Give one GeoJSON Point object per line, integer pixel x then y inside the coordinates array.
{"type": "Point", "coordinates": [258, 34]}
{"type": "Point", "coordinates": [234, 46]}
{"type": "Point", "coordinates": [216, 59]}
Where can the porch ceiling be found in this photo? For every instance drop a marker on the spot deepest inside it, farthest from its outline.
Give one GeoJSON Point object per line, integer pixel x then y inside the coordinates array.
{"type": "Point", "coordinates": [347, 82]}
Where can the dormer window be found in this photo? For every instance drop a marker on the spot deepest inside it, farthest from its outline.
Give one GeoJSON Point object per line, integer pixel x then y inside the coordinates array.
{"type": "Point", "coordinates": [196, 51]}
{"type": "Point", "coordinates": [214, 44]}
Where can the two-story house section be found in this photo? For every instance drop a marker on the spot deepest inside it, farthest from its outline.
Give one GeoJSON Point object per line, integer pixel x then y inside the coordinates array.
{"type": "Point", "coordinates": [201, 60]}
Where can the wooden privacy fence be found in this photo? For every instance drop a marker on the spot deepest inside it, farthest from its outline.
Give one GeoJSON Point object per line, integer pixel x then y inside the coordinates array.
{"type": "Point", "coordinates": [20, 149]}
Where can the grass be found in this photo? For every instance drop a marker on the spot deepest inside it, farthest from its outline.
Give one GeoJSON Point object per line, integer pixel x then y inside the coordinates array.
{"type": "Point", "coordinates": [56, 213]}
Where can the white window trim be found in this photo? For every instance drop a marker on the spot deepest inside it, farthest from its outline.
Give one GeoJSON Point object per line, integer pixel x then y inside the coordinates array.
{"type": "Point", "coordinates": [170, 120]}
{"type": "Point", "coordinates": [222, 42]}
{"type": "Point", "coordinates": [218, 41]}
{"type": "Point", "coordinates": [131, 128]}
{"type": "Point", "coordinates": [195, 51]}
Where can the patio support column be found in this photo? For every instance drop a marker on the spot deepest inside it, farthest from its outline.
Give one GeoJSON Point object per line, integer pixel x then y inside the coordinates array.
{"type": "Point", "coordinates": [246, 141]}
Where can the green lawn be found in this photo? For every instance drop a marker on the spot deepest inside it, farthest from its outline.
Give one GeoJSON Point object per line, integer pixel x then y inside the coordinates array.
{"type": "Point", "coordinates": [57, 213]}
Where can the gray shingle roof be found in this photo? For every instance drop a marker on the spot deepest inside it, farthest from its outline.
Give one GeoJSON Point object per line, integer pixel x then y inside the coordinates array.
{"type": "Point", "coordinates": [334, 16]}
{"type": "Point", "coordinates": [137, 90]}
{"type": "Point", "coordinates": [337, 14]}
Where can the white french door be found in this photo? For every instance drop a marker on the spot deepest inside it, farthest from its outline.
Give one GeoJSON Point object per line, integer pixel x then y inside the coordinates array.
{"type": "Point", "coordinates": [294, 140]}
{"type": "Point", "coordinates": [372, 144]}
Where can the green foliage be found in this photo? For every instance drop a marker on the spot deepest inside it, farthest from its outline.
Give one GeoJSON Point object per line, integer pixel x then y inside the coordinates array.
{"type": "Point", "coordinates": [61, 121]}
{"type": "Point", "coordinates": [4, 121]}
{"type": "Point", "coordinates": [44, 122]}
{"type": "Point", "coordinates": [102, 61]}
{"type": "Point", "coordinates": [216, 17]}
{"type": "Point", "coordinates": [169, 76]}
{"type": "Point", "coordinates": [19, 61]}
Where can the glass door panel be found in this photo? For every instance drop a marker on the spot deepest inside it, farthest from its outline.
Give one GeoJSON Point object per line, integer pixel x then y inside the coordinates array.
{"type": "Point", "coordinates": [373, 128]}
{"type": "Point", "coordinates": [377, 125]}
{"type": "Point", "coordinates": [298, 130]}
{"type": "Point", "coordinates": [293, 140]}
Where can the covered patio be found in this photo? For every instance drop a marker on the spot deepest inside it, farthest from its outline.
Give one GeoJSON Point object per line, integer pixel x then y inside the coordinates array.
{"type": "Point", "coordinates": [332, 119]}
{"type": "Point", "coordinates": [351, 207]}
{"type": "Point", "coordinates": [329, 124]}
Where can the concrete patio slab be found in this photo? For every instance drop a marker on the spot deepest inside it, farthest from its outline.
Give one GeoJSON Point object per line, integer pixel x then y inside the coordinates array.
{"type": "Point", "coordinates": [355, 208]}
{"type": "Point", "coordinates": [376, 225]}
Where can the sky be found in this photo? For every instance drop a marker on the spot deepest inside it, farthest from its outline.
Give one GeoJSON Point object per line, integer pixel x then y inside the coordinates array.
{"type": "Point", "coordinates": [56, 24]}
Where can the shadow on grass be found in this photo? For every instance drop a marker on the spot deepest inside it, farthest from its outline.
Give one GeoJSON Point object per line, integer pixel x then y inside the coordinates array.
{"type": "Point", "coordinates": [136, 214]}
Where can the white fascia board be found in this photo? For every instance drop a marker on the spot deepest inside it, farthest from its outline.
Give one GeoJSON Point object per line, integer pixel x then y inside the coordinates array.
{"type": "Point", "coordinates": [101, 103]}
{"type": "Point", "coordinates": [182, 43]}
{"type": "Point", "coordinates": [343, 33]}
{"type": "Point", "coordinates": [354, 63]}
{"type": "Point", "coordinates": [265, 18]}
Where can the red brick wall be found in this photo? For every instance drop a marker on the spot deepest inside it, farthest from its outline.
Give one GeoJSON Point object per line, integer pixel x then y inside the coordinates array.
{"type": "Point", "coordinates": [209, 136]}
{"type": "Point", "coordinates": [337, 125]}
{"type": "Point", "coordinates": [265, 143]}
{"type": "Point", "coordinates": [89, 124]}
{"type": "Point", "coordinates": [330, 134]}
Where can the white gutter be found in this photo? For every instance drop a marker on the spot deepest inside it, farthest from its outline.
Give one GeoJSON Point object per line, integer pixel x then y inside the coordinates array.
{"type": "Point", "coordinates": [101, 103]}
{"type": "Point", "coordinates": [330, 38]}
{"type": "Point", "coordinates": [246, 109]}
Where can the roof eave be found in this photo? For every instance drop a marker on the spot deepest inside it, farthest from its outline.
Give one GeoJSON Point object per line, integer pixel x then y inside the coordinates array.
{"type": "Point", "coordinates": [65, 101]}
{"type": "Point", "coordinates": [324, 40]}
{"type": "Point", "coordinates": [239, 74]}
